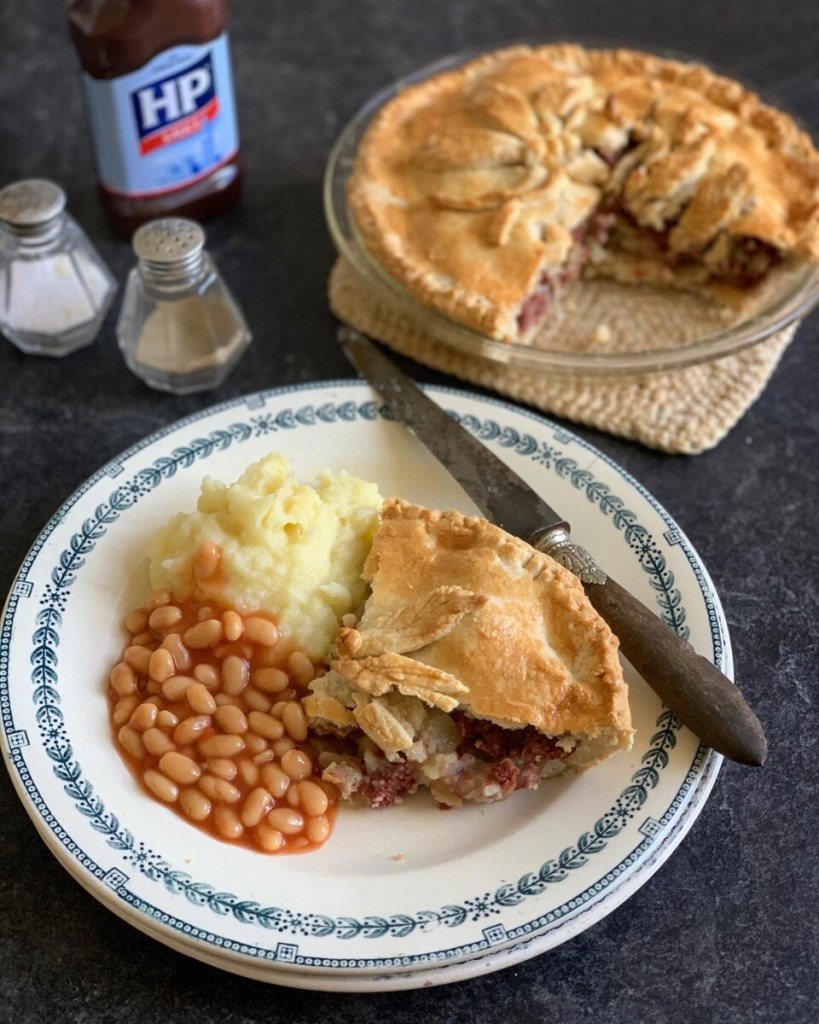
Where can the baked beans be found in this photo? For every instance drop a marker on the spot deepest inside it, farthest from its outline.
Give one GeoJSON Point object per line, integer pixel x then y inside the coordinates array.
{"type": "Point", "coordinates": [179, 652]}
{"type": "Point", "coordinates": [235, 672]}
{"type": "Point", "coordinates": [206, 560]}
{"type": "Point", "coordinates": [124, 708]}
{"type": "Point", "coordinates": [138, 658]}
{"type": "Point", "coordinates": [157, 742]}
{"type": "Point", "coordinates": [271, 680]}
{"type": "Point", "coordinates": [222, 768]}
{"type": "Point", "coordinates": [136, 621]}
{"type": "Point", "coordinates": [261, 631]}
{"type": "Point", "coordinates": [123, 679]}
{"type": "Point", "coordinates": [231, 719]}
{"type": "Point", "coordinates": [206, 633]}
{"type": "Point", "coordinates": [200, 699]}
{"type": "Point", "coordinates": [144, 716]}
{"type": "Point", "coordinates": [194, 804]}
{"type": "Point", "coordinates": [301, 668]}
{"type": "Point", "coordinates": [164, 617]}
{"type": "Point", "coordinates": [232, 625]}
{"type": "Point", "coordinates": [206, 712]}
{"type": "Point", "coordinates": [207, 675]}
{"type": "Point", "coordinates": [161, 664]}
{"type": "Point", "coordinates": [160, 785]}
{"type": "Point", "coordinates": [297, 764]}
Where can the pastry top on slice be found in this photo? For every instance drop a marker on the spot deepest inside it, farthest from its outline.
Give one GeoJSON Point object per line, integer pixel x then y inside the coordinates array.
{"type": "Point", "coordinates": [482, 187]}
{"type": "Point", "coordinates": [464, 620]}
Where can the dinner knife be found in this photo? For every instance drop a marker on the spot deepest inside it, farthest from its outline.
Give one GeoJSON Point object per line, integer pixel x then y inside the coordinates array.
{"type": "Point", "coordinates": [695, 690]}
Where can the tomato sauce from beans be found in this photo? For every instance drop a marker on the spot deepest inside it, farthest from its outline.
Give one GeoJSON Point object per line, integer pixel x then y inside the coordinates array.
{"type": "Point", "coordinates": [205, 710]}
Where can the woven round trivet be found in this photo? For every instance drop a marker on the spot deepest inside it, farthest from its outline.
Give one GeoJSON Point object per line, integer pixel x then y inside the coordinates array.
{"type": "Point", "coordinates": [685, 411]}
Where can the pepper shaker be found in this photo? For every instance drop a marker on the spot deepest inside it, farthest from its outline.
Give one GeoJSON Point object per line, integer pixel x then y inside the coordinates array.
{"type": "Point", "coordinates": [54, 288]}
{"type": "Point", "coordinates": [179, 329]}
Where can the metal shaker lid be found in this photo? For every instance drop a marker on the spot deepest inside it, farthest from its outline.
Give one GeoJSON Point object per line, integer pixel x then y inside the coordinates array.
{"type": "Point", "coordinates": [171, 240]}
{"type": "Point", "coordinates": [31, 203]}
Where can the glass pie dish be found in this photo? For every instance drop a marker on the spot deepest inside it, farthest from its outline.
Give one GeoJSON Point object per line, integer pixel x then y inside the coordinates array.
{"type": "Point", "coordinates": [599, 328]}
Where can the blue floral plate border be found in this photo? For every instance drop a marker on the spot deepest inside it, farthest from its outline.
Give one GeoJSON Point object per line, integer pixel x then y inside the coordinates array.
{"type": "Point", "coordinates": [520, 902]}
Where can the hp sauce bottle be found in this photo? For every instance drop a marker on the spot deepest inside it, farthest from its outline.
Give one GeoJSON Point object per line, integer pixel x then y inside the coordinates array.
{"type": "Point", "coordinates": [159, 95]}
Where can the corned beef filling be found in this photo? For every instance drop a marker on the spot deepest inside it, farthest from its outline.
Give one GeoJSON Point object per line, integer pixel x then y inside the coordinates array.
{"type": "Point", "coordinates": [492, 742]}
{"type": "Point", "coordinates": [514, 755]}
{"type": "Point", "coordinates": [746, 262]}
{"type": "Point", "coordinates": [391, 783]}
{"type": "Point", "coordinates": [487, 763]}
{"type": "Point", "coordinates": [536, 306]}
{"type": "Point", "coordinates": [612, 159]}
{"type": "Point", "coordinates": [749, 261]}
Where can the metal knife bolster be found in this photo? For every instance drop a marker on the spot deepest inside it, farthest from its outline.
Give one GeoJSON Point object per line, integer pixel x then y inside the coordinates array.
{"type": "Point", "coordinates": [554, 541]}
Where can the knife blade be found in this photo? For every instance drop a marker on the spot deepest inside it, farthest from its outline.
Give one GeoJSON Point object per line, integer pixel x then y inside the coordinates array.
{"type": "Point", "coordinates": [702, 697]}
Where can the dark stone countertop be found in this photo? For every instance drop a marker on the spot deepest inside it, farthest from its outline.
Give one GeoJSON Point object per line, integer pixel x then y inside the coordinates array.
{"type": "Point", "coordinates": [726, 931]}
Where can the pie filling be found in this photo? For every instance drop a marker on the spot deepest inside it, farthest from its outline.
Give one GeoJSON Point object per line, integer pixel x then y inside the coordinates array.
{"type": "Point", "coordinates": [611, 239]}
{"type": "Point", "coordinates": [457, 756]}
{"type": "Point", "coordinates": [594, 231]}
{"type": "Point", "coordinates": [736, 261]}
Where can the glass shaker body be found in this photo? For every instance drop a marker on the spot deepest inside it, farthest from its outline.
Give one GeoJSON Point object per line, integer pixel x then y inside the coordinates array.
{"type": "Point", "coordinates": [179, 329]}
{"type": "Point", "coordinates": [54, 288]}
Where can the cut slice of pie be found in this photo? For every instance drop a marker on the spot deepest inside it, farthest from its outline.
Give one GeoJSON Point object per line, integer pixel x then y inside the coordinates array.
{"type": "Point", "coordinates": [478, 667]}
{"type": "Point", "coordinates": [485, 190]}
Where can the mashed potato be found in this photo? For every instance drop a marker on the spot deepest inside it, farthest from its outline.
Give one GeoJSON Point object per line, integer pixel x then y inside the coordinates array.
{"type": "Point", "coordinates": [289, 549]}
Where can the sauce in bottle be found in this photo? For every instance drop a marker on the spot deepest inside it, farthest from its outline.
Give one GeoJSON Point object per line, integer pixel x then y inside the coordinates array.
{"type": "Point", "coordinates": [159, 94]}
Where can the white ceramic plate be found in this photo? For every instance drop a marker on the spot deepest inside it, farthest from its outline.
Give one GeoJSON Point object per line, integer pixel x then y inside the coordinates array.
{"type": "Point", "coordinates": [399, 898]}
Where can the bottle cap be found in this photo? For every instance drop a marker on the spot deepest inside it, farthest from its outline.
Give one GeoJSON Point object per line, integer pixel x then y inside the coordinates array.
{"type": "Point", "coordinates": [31, 203]}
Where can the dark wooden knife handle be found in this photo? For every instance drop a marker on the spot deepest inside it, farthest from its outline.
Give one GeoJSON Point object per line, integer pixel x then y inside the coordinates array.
{"type": "Point", "coordinates": [695, 690]}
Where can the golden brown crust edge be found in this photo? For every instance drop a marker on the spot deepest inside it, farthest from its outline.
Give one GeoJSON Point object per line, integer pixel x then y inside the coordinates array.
{"type": "Point", "coordinates": [382, 236]}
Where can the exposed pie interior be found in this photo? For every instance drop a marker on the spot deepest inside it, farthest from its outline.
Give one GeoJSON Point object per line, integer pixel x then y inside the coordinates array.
{"type": "Point", "coordinates": [488, 189]}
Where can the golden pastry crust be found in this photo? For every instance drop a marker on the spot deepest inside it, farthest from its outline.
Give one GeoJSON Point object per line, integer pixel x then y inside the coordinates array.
{"type": "Point", "coordinates": [412, 625]}
{"type": "Point", "coordinates": [471, 186]}
{"type": "Point", "coordinates": [516, 643]}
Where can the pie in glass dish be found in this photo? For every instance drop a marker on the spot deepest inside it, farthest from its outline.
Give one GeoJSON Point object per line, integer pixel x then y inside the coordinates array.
{"type": "Point", "coordinates": [477, 667]}
{"type": "Point", "coordinates": [487, 190]}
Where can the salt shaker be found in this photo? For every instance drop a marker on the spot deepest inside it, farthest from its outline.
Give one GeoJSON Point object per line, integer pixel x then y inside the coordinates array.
{"type": "Point", "coordinates": [180, 328]}
{"type": "Point", "coordinates": [54, 288]}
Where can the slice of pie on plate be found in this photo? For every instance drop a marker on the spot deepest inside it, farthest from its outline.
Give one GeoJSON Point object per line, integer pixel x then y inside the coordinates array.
{"type": "Point", "coordinates": [478, 667]}
{"type": "Point", "coordinates": [487, 189]}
